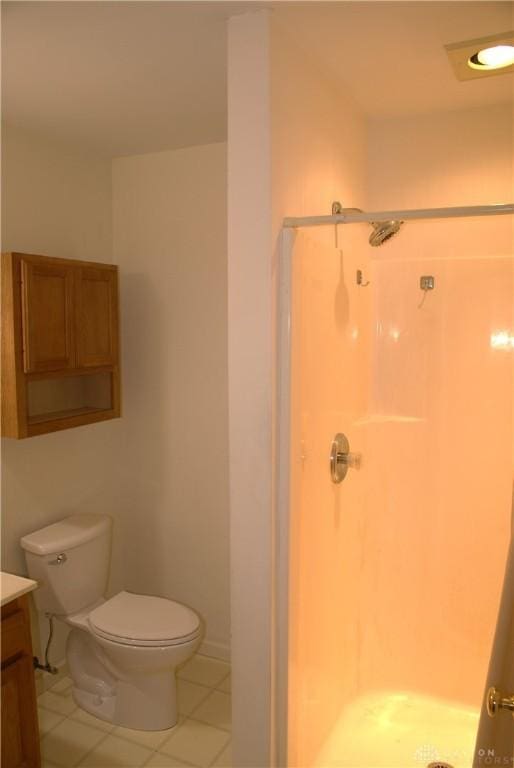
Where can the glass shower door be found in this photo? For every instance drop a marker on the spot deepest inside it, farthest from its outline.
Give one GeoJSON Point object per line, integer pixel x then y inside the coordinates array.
{"type": "Point", "coordinates": [396, 572]}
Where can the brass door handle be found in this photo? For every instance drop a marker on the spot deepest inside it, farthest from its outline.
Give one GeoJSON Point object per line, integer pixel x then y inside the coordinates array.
{"type": "Point", "coordinates": [495, 701]}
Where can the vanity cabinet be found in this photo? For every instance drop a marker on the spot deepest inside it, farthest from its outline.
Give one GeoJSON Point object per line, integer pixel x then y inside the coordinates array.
{"type": "Point", "coordinates": [20, 733]}
{"type": "Point", "coordinates": [60, 349]}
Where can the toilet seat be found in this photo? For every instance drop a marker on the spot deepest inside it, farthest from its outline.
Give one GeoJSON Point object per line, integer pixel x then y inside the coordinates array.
{"type": "Point", "coordinates": [144, 620]}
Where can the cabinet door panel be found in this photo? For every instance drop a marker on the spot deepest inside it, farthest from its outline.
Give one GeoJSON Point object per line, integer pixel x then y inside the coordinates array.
{"type": "Point", "coordinates": [47, 317]}
{"type": "Point", "coordinates": [20, 746]}
{"type": "Point", "coordinates": [97, 317]}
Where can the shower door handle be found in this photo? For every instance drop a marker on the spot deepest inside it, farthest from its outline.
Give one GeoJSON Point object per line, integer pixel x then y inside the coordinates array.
{"type": "Point", "coordinates": [341, 458]}
{"type": "Point", "coordinates": [495, 700]}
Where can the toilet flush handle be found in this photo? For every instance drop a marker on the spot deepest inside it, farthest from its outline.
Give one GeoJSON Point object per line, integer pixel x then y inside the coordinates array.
{"type": "Point", "coordinates": [59, 560]}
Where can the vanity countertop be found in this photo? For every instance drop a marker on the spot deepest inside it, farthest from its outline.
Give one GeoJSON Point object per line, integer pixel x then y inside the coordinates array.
{"type": "Point", "coordinates": [12, 586]}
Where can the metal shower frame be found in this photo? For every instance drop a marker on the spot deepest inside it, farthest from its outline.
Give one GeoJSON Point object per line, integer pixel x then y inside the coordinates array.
{"type": "Point", "coordinates": [293, 222]}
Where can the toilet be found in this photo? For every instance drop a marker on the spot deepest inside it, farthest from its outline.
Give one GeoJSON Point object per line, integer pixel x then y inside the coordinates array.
{"type": "Point", "coordinates": [122, 652]}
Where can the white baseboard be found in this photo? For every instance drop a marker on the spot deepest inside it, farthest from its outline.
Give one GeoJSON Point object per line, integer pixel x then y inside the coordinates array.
{"type": "Point", "coordinates": [216, 650]}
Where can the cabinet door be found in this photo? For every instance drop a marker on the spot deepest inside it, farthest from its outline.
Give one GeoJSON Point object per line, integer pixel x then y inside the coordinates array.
{"type": "Point", "coordinates": [47, 316]}
{"type": "Point", "coordinates": [97, 317]}
{"type": "Point", "coordinates": [20, 745]}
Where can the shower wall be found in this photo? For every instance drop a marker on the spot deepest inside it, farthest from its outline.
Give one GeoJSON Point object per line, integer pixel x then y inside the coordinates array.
{"type": "Point", "coordinates": [329, 370]}
{"type": "Point", "coordinates": [438, 458]}
{"type": "Point", "coordinates": [441, 425]}
{"type": "Point", "coordinates": [312, 128]}
{"type": "Point", "coordinates": [395, 574]}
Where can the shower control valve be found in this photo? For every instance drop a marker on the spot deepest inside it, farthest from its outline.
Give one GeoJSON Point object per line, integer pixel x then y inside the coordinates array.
{"type": "Point", "coordinates": [341, 458]}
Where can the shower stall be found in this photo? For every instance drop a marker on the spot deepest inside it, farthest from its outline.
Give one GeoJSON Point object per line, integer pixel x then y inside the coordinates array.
{"type": "Point", "coordinates": [396, 455]}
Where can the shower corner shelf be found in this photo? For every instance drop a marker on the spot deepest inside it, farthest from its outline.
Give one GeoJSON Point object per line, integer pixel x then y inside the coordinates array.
{"type": "Point", "coordinates": [60, 358]}
{"type": "Point", "coordinates": [387, 418]}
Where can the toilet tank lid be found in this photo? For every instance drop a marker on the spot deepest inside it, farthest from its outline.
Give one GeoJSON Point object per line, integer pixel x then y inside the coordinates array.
{"type": "Point", "coordinates": [66, 534]}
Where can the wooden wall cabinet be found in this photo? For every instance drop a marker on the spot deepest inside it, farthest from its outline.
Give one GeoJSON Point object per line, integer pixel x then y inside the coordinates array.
{"type": "Point", "coordinates": [60, 348]}
{"type": "Point", "coordinates": [20, 732]}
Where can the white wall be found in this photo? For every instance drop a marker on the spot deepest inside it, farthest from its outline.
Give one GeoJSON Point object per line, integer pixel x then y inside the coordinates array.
{"type": "Point", "coordinates": [57, 202]}
{"type": "Point", "coordinates": [161, 470]}
{"type": "Point", "coordinates": [289, 133]}
{"type": "Point", "coordinates": [54, 199]}
{"type": "Point", "coordinates": [169, 225]}
{"type": "Point", "coordinates": [442, 159]}
{"type": "Point", "coordinates": [250, 384]}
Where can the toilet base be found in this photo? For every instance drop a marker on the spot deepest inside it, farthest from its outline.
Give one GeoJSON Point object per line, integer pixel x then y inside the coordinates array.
{"type": "Point", "coordinates": [101, 707]}
{"type": "Point", "coordinates": [126, 685]}
{"type": "Point", "coordinates": [146, 704]}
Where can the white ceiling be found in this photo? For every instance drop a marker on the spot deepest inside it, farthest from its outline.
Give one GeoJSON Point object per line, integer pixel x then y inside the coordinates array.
{"type": "Point", "coordinates": [391, 54]}
{"type": "Point", "coordinates": [133, 77]}
{"type": "Point", "coordinates": [119, 77]}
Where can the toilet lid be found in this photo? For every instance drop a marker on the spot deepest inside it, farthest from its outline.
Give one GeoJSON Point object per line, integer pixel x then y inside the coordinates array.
{"type": "Point", "coordinates": [144, 620]}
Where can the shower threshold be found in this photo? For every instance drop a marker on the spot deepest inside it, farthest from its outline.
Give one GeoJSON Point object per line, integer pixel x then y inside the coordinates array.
{"type": "Point", "coordinates": [392, 729]}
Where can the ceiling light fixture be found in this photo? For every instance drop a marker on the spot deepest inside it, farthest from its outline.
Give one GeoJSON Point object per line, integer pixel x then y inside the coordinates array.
{"type": "Point", "coordinates": [495, 57]}
{"type": "Point", "coordinates": [483, 57]}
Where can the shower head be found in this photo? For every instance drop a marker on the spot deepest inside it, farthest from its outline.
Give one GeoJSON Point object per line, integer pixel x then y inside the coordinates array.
{"type": "Point", "coordinates": [383, 230]}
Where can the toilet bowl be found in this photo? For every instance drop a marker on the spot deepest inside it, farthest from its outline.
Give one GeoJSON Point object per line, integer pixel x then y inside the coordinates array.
{"type": "Point", "coordinates": [134, 644]}
{"type": "Point", "coordinates": [122, 652]}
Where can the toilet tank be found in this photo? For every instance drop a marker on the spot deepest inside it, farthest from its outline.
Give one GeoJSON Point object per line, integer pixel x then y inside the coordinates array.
{"type": "Point", "coordinates": [70, 561]}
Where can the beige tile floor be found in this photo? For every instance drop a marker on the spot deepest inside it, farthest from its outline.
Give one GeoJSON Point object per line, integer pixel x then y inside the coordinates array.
{"type": "Point", "coordinates": [72, 737]}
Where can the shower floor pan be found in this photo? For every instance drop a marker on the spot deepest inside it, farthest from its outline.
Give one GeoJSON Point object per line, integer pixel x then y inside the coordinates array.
{"type": "Point", "coordinates": [400, 730]}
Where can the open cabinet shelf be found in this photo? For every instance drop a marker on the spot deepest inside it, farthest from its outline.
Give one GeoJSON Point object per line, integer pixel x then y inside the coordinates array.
{"type": "Point", "coordinates": [60, 361]}
{"type": "Point", "coordinates": [57, 415]}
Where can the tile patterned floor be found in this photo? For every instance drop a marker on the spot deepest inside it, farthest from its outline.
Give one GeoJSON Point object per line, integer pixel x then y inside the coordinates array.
{"type": "Point", "coordinates": [72, 737]}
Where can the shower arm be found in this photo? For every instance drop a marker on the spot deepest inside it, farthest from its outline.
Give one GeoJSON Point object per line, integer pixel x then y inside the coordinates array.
{"type": "Point", "coordinates": [355, 215]}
